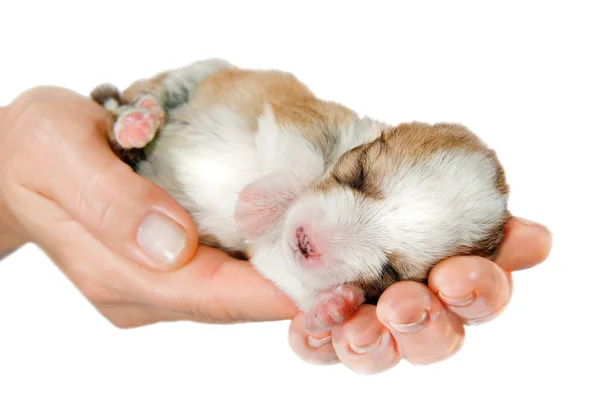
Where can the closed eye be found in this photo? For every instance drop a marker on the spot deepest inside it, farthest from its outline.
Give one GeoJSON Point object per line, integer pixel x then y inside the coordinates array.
{"type": "Point", "coordinates": [355, 181]}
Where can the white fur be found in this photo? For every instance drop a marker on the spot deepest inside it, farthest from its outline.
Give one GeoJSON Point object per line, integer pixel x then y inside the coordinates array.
{"type": "Point", "coordinates": [446, 201]}
{"type": "Point", "coordinates": [212, 162]}
{"type": "Point", "coordinates": [111, 104]}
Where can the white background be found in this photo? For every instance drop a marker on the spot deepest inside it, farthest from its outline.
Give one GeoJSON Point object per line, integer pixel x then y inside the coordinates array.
{"type": "Point", "coordinates": [524, 76]}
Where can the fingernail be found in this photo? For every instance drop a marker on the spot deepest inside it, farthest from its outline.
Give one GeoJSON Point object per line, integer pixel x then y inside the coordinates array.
{"type": "Point", "coordinates": [316, 342]}
{"type": "Point", "coordinates": [528, 222]}
{"type": "Point", "coordinates": [458, 302]}
{"type": "Point", "coordinates": [161, 238]}
{"type": "Point", "coordinates": [410, 327]}
{"type": "Point", "coordinates": [366, 348]}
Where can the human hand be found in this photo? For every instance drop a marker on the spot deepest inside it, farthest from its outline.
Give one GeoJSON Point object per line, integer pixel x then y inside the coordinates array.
{"type": "Point", "coordinates": [426, 324]}
{"type": "Point", "coordinates": [123, 241]}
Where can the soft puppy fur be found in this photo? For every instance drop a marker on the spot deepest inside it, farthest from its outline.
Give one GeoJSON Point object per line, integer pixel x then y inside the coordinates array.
{"type": "Point", "coordinates": [316, 197]}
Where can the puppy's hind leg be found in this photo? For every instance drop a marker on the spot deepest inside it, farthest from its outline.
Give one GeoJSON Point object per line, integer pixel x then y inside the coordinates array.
{"type": "Point", "coordinates": [134, 125]}
{"type": "Point", "coordinates": [142, 109]}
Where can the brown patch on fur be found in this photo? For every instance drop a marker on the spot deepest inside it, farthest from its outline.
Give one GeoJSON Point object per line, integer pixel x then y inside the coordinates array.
{"type": "Point", "coordinates": [364, 167]}
{"type": "Point", "coordinates": [247, 92]}
{"type": "Point", "coordinates": [407, 144]}
{"type": "Point", "coordinates": [353, 170]}
{"type": "Point", "coordinates": [405, 269]}
{"type": "Point", "coordinates": [374, 288]}
{"type": "Point", "coordinates": [394, 270]}
{"type": "Point", "coordinates": [154, 86]}
{"type": "Point", "coordinates": [501, 183]}
{"type": "Point", "coordinates": [401, 148]}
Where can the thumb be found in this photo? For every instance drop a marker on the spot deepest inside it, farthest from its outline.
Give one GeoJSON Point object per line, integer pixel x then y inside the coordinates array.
{"type": "Point", "coordinates": [126, 212]}
{"type": "Point", "coordinates": [131, 215]}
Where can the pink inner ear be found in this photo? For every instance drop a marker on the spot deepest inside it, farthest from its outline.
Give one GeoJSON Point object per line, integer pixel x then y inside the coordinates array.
{"type": "Point", "coordinates": [262, 204]}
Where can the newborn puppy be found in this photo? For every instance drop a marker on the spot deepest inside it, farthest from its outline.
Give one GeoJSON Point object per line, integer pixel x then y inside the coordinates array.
{"type": "Point", "coordinates": [331, 207]}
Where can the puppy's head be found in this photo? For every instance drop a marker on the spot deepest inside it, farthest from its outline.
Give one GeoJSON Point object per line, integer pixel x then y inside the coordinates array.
{"type": "Point", "coordinates": [390, 209]}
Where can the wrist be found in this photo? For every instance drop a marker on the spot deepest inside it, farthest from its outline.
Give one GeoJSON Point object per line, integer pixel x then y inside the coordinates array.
{"type": "Point", "coordinates": [10, 237]}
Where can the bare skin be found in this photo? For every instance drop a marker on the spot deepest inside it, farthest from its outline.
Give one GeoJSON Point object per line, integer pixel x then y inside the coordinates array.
{"type": "Point", "coordinates": [62, 188]}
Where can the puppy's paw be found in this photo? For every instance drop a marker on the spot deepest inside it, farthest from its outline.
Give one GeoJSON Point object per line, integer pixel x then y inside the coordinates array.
{"type": "Point", "coordinates": [135, 127]}
{"type": "Point", "coordinates": [150, 103]}
{"type": "Point", "coordinates": [334, 307]}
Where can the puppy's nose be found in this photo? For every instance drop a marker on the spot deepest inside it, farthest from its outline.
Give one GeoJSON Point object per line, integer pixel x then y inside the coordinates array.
{"type": "Point", "coordinates": [305, 244]}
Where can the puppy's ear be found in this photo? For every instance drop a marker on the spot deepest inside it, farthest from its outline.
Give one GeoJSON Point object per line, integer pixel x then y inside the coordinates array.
{"type": "Point", "coordinates": [262, 203]}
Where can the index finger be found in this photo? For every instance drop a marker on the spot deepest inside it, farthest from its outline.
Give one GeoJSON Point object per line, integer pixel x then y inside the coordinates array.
{"type": "Point", "coordinates": [525, 245]}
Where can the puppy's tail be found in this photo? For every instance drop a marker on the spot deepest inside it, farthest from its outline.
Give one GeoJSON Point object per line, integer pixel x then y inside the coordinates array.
{"type": "Point", "coordinates": [108, 96]}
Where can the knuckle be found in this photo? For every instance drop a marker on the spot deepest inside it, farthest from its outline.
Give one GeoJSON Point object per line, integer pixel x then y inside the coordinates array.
{"type": "Point", "coordinates": [90, 202]}
{"type": "Point", "coordinates": [96, 198]}
{"type": "Point", "coordinates": [36, 136]}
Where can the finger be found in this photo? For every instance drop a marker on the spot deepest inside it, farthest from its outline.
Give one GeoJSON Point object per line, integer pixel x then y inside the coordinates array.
{"type": "Point", "coordinates": [128, 213]}
{"type": "Point", "coordinates": [474, 288]}
{"type": "Point", "coordinates": [315, 348]}
{"type": "Point", "coordinates": [525, 244]}
{"type": "Point", "coordinates": [363, 344]}
{"type": "Point", "coordinates": [424, 331]}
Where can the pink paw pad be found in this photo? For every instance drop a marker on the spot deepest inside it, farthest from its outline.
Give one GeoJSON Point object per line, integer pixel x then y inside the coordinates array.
{"type": "Point", "coordinates": [136, 128]}
{"type": "Point", "coordinates": [334, 307]}
{"type": "Point", "coordinates": [151, 104]}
